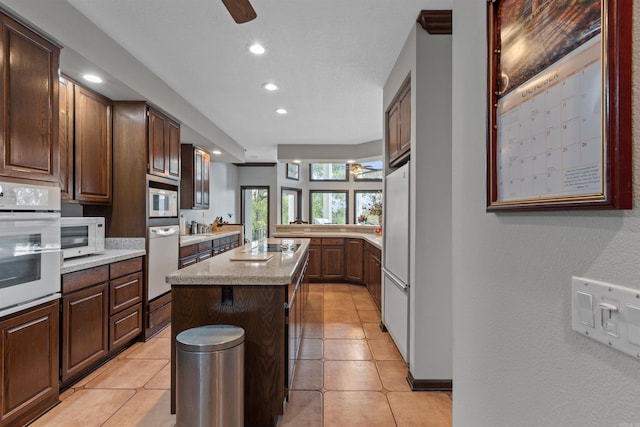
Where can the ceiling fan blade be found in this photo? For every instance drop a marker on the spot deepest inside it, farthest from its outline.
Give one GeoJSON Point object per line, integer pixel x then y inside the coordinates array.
{"type": "Point", "coordinates": [241, 10]}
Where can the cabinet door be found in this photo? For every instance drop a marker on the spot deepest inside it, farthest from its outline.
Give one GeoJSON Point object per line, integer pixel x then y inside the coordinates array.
{"type": "Point", "coordinates": [314, 269]}
{"type": "Point", "coordinates": [353, 260]}
{"type": "Point", "coordinates": [84, 330]}
{"type": "Point", "coordinates": [405, 122]}
{"type": "Point", "coordinates": [29, 146]}
{"type": "Point", "coordinates": [376, 282]}
{"type": "Point", "coordinates": [393, 121]}
{"type": "Point", "coordinates": [173, 149]}
{"type": "Point", "coordinates": [333, 263]}
{"type": "Point", "coordinates": [157, 138]}
{"type": "Point", "coordinates": [201, 179]}
{"type": "Point", "coordinates": [28, 364]}
{"type": "Point", "coordinates": [66, 139]}
{"type": "Point", "coordinates": [93, 147]}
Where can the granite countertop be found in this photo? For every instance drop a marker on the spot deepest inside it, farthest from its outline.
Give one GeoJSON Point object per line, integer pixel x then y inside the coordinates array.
{"type": "Point", "coordinates": [369, 237]}
{"type": "Point", "coordinates": [197, 238]}
{"type": "Point", "coordinates": [221, 270]}
{"type": "Point", "coordinates": [95, 260]}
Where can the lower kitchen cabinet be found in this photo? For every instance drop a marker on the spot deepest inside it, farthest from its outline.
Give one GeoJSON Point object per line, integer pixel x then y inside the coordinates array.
{"type": "Point", "coordinates": [333, 260]}
{"type": "Point", "coordinates": [373, 275]}
{"type": "Point", "coordinates": [28, 364]}
{"type": "Point", "coordinates": [314, 270]}
{"type": "Point", "coordinates": [197, 252]}
{"type": "Point", "coordinates": [101, 313]}
{"type": "Point", "coordinates": [353, 252]}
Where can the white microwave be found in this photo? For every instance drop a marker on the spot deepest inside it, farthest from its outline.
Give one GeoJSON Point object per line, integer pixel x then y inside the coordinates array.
{"type": "Point", "coordinates": [81, 236]}
{"type": "Point", "coordinates": [163, 203]}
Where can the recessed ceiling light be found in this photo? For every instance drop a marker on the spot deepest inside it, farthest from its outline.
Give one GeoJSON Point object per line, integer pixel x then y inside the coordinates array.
{"type": "Point", "coordinates": [92, 78]}
{"type": "Point", "coordinates": [217, 152]}
{"type": "Point", "coordinates": [296, 161]}
{"type": "Point", "coordinates": [256, 49]}
{"type": "Point", "coordinates": [270, 87]}
{"type": "Point", "coordinates": [281, 111]}
{"type": "Point", "coordinates": [351, 161]}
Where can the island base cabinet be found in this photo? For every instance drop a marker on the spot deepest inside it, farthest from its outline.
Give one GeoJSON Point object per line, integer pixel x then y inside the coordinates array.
{"type": "Point", "coordinates": [260, 311]}
{"type": "Point", "coordinates": [29, 364]}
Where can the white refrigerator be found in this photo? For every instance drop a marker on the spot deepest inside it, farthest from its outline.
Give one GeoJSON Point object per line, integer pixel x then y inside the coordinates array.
{"type": "Point", "coordinates": [396, 277]}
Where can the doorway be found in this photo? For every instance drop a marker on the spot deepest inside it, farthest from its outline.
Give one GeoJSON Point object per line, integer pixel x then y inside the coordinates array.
{"type": "Point", "coordinates": [291, 204]}
{"type": "Point", "coordinates": [254, 209]}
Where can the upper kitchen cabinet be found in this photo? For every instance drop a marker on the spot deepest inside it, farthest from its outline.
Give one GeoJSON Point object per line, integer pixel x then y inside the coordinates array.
{"type": "Point", "coordinates": [29, 115]}
{"type": "Point", "coordinates": [93, 147]}
{"type": "Point", "coordinates": [85, 144]}
{"type": "Point", "coordinates": [194, 187]}
{"type": "Point", "coordinates": [164, 146]}
{"type": "Point", "coordinates": [399, 126]}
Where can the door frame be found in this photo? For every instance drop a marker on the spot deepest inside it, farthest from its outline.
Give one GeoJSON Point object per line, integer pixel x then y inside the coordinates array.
{"type": "Point", "coordinates": [256, 187]}
{"type": "Point", "coordinates": [299, 192]}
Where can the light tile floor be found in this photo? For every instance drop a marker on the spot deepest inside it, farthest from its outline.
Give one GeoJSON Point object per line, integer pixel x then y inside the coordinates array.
{"type": "Point", "coordinates": [348, 373]}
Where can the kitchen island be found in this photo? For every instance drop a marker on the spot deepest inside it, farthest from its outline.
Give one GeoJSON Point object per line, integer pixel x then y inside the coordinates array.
{"type": "Point", "coordinates": [259, 287]}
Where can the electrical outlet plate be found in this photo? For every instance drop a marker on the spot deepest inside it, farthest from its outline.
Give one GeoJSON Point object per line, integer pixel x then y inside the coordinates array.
{"type": "Point", "coordinates": [607, 313]}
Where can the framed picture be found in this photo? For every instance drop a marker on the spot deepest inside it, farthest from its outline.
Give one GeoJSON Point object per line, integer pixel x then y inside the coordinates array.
{"type": "Point", "coordinates": [559, 99]}
{"type": "Point", "coordinates": [293, 171]}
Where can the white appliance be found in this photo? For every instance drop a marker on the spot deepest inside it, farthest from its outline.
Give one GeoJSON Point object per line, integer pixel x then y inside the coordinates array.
{"type": "Point", "coordinates": [29, 246]}
{"type": "Point", "coordinates": [396, 260]}
{"type": "Point", "coordinates": [164, 242]}
{"type": "Point", "coordinates": [162, 203]}
{"type": "Point", "coordinates": [81, 236]}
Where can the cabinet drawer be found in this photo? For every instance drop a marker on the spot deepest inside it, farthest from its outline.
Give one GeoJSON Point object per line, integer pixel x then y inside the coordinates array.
{"type": "Point", "coordinates": [186, 262]}
{"type": "Point", "coordinates": [125, 292]}
{"type": "Point", "coordinates": [315, 241]}
{"type": "Point", "coordinates": [121, 268]}
{"type": "Point", "coordinates": [84, 278]}
{"type": "Point", "coordinates": [125, 326]}
{"type": "Point", "coordinates": [204, 255]}
{"type": "Point", "coordinates": [205, 246]}
{"type": "Point", "coordinates": [185, 251]}
{"type": "Point", "coordinates": [332, 241]}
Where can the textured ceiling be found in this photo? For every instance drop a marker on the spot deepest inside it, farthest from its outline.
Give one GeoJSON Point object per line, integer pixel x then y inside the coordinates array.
{"type": "Point", "coordinates": [330, 58]}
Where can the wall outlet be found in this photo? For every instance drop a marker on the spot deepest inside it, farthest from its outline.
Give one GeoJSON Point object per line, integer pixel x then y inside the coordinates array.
{"type": "Point", "coordinates": [607, 313]}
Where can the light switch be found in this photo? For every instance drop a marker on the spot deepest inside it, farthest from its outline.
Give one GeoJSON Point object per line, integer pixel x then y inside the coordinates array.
{"type": "Point", "coordinates": [585, 309]}
{"type": "Point", "coordinates": [633, 319]}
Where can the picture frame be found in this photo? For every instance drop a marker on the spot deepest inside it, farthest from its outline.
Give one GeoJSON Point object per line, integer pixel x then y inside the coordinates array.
{"type": "Point", "coordinates": [293, 171]}
{"type": "Point", "coordinates": [559, 105]}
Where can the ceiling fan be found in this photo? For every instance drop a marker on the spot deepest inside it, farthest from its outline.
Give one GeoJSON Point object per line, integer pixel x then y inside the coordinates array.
{"type": "Point", "coordinates": [241, 10]}
{"type": "Point", "coordinates": [358, 169]}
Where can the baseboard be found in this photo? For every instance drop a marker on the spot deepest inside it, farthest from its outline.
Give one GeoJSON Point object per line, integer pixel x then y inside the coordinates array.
{"type": "Point", "coordinates": [429, 385]}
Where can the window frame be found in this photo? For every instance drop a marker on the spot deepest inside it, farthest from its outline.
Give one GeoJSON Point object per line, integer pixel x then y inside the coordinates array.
{"type": "Point", "coordinates": [346, 173]}
{"type": "Point", "coordinates": [355, 203]}
{"type": "Point", "coordinates": [346, 214]}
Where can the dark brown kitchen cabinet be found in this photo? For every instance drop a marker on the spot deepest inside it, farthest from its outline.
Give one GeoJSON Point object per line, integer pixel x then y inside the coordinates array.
{"type": "Point", "coordinates": [93, 147]}
{"type": "Point", "coordinates": [85, 326]}
{"type": "Point", "coordinates": [399, 126]}
{"type": "Point", "coordinates": [29, 146]}
{"type": "Point", "coordinates": [66, 137]}
{"type": "Point", "coordinates": [314, 269]}
{"type": "Point", "coordinates": [101, 313]}
{"type": "Point", "coordinates": [197, 252]}
{"type": "Point", "coordinates": [85, 144]}
{"type": "Point", "coordinates": [353, 252]}
{"type": "Point", "coordinates": [373, 273]}
{"type": "Point", "coordinates": [332, 259]}
{"type": "Point", "coordinates": [28, 364]}
{"type": "Point", "coordinates": [164, 145]}
{"type": "Point", "coordinates": [194, 186]}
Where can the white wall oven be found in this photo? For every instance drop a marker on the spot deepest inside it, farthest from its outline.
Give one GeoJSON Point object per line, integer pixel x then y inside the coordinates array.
{"type": "Point", "coordinates": [29, 246]}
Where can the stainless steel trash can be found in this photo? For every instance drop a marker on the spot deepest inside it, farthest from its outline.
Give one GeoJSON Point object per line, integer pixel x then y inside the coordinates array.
{"type": "Point", "coordinates": [210, 377]}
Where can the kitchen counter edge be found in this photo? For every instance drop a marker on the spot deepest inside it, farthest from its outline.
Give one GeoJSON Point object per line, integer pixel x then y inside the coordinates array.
{"type": "Point", "coordinates": [95, 260]}
{"type": "Point", "coordinates": [371, 238]}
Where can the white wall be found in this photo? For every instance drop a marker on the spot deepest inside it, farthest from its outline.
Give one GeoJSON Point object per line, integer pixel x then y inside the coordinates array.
{"type": "Point", "coordinates": [516, 361]}
{"type": "Point", "coordinates": [428, 59]}
{"type": "Point", "coordinates": [224, 191]}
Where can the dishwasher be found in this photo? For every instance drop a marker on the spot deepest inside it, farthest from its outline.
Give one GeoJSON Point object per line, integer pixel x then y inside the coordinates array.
{"type": "Point", "coordinates": [164, 244]}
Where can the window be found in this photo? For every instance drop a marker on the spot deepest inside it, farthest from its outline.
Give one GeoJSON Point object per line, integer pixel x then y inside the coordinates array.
{"type": "Point", "coordinates": [328, 172]}
{"type": "Point", "coordinates": [368, 207]}
{"type": "Point", "coordinates": [328, 207]}
{"type": "Point", "coordinates": [290, 204]}
{"type": "Point", "coordinates": [371, 171]}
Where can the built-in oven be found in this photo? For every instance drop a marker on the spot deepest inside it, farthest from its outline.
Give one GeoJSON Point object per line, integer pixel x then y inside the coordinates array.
{"type": "Point", "coordinates": [29, 246]}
